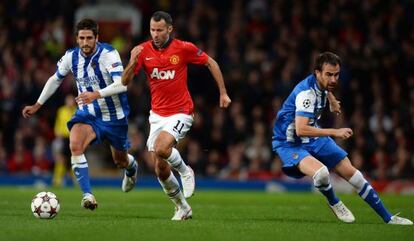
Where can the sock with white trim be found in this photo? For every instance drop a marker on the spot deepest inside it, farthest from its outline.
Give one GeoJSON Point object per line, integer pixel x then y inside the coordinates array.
{"type": "Point", "coordinates": [369, 195]}
{"type": "Point", "coordinates": [322, 182]}
{"type": "Point", "coordinates": [177, 162]}
{"type": "Point", "coordinates": [172, 188]}
{"type": "Point", "coordinates": [81, 171]}
{"type": "Point", "coordinates": [132, 166]}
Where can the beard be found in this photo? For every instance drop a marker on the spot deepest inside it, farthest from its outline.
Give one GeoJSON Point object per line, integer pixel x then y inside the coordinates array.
{"type": "Point", "coordinates": [87, 50]}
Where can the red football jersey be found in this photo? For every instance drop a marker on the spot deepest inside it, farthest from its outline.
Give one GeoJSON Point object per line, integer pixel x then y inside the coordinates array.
{"type": "Point", "coordinates": [166, 70]}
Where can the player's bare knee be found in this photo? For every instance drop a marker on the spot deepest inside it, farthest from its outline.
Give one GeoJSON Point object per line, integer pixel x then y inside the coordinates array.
{"type": "Point", "coordinates": [321, 177]}
{"type": "Point", "coordinates": [76, 147]}
{"type": "Point", "coordinates": [162, 151]}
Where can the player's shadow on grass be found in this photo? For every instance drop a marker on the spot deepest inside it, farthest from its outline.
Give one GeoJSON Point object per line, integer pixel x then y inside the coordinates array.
{"type": "Point", "coordinates": [300, 220]}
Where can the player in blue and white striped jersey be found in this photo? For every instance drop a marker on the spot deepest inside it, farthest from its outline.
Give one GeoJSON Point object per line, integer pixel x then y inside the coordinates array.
{"type": "Point", "coordinates": [102, 105]}
{"type": "Point", "coordinates": [308, 150]}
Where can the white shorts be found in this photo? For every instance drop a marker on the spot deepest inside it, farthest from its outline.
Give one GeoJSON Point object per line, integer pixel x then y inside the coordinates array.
{"type": "Point", "coordinates": [177, 125]}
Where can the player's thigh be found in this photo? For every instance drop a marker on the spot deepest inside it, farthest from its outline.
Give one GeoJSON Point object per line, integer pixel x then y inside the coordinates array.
{"type": "Point", "coordinates": [345, 169]}
{"type": "Point", "coordinates": [81, 135]}
{"type": "Point", "coordinates": [164, 141]}
{"type": "Point", "coordinates": [310, 165]}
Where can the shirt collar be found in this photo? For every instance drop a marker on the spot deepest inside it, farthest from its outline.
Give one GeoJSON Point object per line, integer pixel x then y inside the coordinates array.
{"type": "Point", "coordinates": [164, 46]}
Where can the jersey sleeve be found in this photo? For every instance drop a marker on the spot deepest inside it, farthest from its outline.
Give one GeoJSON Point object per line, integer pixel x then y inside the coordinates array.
{"type": "Point", "coordinates": [305, 104]}
{"type": "Point", "coordinates": [113, 64]}
{"type": "Point", "coordinates": [194, 55]}
{"type": "Point", "coordinates": [63, 65]}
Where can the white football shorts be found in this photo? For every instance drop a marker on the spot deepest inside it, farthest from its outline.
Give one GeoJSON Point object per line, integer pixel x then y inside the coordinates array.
{"type": "Point", "coordinates": [177, 125]}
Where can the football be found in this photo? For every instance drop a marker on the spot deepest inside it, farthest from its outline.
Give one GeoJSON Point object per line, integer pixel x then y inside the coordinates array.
{"type": "Point", "coordinates": [45, 205]}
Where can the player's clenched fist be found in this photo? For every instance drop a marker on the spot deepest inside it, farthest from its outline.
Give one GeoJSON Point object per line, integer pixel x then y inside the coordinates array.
{"type": "Point", "coordinates": [344, 133]}
{"type": "Point", "coordinates": [30, 110]}
{"type": "Point", "coordinates": [224, 101]}
{"type": "Point", "coordinates": [135, 53]}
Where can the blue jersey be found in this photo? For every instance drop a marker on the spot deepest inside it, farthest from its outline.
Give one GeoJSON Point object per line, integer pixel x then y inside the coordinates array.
{"type": "Point", "coordinates": [307, 100]}
{"type": "Point", "coordinates": [93, 73]}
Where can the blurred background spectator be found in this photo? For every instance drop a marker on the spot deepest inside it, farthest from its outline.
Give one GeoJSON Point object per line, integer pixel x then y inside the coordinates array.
{"type": "Point", "coordinates": [264, 48]}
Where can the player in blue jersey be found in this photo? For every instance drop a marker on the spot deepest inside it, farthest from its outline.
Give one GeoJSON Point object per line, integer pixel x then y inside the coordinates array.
{"type": "Point", "coordinates": [308, 150]}
{"type": "Point", "coordinates": [102, 106]}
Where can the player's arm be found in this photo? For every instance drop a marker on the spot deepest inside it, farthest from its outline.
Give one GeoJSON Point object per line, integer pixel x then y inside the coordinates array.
{"type": "Point", "coordinates": [218, 76]}
{"type": "Point", "coordinates": [52, 84]}
{"type": "Point", "coordinates": [334, 104]}
{"type": "Point", "coordinates": [305, 107]}
{"type": "Point", "coordinates": [305, 130]}
{"type": "Point", "coordinates": [131, 68]}
{"type": "Point", "coordinates": [50, 87]}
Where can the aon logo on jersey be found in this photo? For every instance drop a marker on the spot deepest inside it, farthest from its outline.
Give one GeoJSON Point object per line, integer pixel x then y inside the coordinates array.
{"type": "Point", "coordinates": [163, 74]}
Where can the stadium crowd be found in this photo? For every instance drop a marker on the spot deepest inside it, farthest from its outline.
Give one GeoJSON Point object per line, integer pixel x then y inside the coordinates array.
{"type": "Point", "coordinates": [263, 48]}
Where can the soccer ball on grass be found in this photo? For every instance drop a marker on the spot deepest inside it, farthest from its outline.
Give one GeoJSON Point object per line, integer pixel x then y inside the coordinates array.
{"type": "Point", "coordinates": [45, 205]}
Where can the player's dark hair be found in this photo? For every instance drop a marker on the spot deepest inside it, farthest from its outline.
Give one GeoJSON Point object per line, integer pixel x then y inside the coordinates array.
{"type": "Point", "coordinates": [87, 24]}
{"type": "Point", "coordinates": [327, 58]}
{"type": "Point", "coordinates": [159, 15]}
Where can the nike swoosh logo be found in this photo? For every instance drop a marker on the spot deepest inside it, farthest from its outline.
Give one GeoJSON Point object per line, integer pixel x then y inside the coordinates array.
{"type": "Point", "coordinates": [148, 58]}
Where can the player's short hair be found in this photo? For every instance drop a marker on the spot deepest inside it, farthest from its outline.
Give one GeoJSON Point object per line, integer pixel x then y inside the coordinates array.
{"type": "Point", "coordinates": [327, 58]}
{"type": "Point", "coordinates": [159, 15]}
{"type": "Point", "coordinates": [87, 24]}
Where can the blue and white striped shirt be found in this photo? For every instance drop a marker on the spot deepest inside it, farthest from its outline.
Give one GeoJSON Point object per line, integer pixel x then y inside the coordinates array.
{"type": "Point", "coordinates": [305, 100]}
{"type": "Point", "coordinates": [93, 73]}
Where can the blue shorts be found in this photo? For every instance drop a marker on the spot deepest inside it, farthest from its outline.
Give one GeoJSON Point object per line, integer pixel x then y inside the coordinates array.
{"type": "Point", "coordinates": [116, 132]}
{"type": "Point", "coordinates": [324, 149]}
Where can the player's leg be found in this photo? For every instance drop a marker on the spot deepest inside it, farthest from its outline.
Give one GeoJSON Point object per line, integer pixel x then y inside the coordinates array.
{"type": "Point", "coordinates": [347, 171]}
{"type": "Point", "coordinates": [80, 136]}
{"type": "Point", "coordinates": [124, 160]}
{"type": "Point", "coordinates": [164, 149]}
{"type": "Point", "coordinates": [321, 180]}
{"type": "Point", "coordinates": [171, 187]}
{"type": "Point", "coordinates": [167, 180]}
{"type": "Point", "coordinates": [117, 135]}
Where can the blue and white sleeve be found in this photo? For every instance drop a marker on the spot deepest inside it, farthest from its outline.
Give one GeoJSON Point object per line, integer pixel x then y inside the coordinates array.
{"type": "Point", "coordinates": [63, 66]}
{"type": "Point", "coordinates": [113, 65]}
{"type": "Point", "coordinates": [305, 104]}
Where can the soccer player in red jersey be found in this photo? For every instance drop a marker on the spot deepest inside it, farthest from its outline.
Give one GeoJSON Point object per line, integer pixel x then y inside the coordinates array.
{"type": "Point", "coordinates": [165, 60]}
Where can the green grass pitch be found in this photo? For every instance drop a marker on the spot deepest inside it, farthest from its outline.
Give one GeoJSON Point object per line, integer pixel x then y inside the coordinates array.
{"type": "Point", "coordinates": [144, 214]}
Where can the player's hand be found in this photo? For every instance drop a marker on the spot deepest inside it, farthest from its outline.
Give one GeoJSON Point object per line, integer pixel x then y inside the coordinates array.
{"type": "Point", "coordinates": [135, 52]}
{"type": "Point", "coordinates": [334, 104]}
{"type": "Point", "coordinates": [335, 107]}
{"type": "Point", "coordinates": [343, 133]}
{"type": "Point", "coordinates": [224, 101]}
{"type": "Point", "coordinates": [30, 110]}
{"type": "Point", "coordinates": [87, 97]}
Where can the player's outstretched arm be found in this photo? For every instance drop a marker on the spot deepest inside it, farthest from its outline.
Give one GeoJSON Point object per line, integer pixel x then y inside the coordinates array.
{"type": "Point", "coordinates": [129, 71]}
{"type": "Point", "coordinates": [305, 130]}
{"type": "Point", "coordinates": [334, 104]}
{"type": "Point", "coordinates": [218, 76]}
{"type": "Point", "coordinates": [50, 87]}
